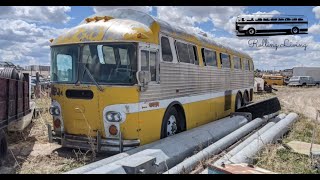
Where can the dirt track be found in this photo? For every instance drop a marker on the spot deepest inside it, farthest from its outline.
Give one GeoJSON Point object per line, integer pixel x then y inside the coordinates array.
{"type": "Point", "coordinates": [301, 100]}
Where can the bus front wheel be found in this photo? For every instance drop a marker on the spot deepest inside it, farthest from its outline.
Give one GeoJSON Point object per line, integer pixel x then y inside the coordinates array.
{"type": "Point", "coordinates": [295, 30]}
{"type": "Point", "coordinates": [171, 123]}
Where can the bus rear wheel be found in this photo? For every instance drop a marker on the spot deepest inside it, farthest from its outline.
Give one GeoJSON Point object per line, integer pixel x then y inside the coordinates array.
{"type": "Point", "coordinates": [171, 123]}
{"type": "Point", "coordinates": [238, 103]}
{"type": "Point", "coordinates": [295, 30]}
{"type": "Point", "coordinates": [3, 146]}
{"type": "Point", "coordinates": [245, 99]}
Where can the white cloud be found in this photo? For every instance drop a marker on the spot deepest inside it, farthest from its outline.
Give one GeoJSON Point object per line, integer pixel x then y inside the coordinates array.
{"type": "Point", "coordinates": [44, 14]}
{"type": "Point", "coordinates": [25, 43]}
{"type": "Point", "coordinates": [145, 9]}
{"type": "Point", "coordinates": [316, 11]}
{"type": "Point", "coordinates": [189, 16]}
{"type": "Point", "coordinates": [314, 29]}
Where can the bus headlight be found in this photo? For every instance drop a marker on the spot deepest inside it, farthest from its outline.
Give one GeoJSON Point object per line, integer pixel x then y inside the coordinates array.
{"type": "Point", "coordinates": [54, 110]}
{"type": "Point", "coordinates": [113, 116]}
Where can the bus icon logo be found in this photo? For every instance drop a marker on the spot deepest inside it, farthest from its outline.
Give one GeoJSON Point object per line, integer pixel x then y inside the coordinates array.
{"type": "Point", "coordinates": [270, 24]}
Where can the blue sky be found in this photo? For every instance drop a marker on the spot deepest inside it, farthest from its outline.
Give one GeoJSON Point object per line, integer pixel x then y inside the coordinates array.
{"type": "Point", "coordinates": [25, 38]}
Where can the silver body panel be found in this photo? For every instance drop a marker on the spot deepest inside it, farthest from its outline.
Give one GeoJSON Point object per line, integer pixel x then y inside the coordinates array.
{"type": "Point", "coordinates": [191, 80]}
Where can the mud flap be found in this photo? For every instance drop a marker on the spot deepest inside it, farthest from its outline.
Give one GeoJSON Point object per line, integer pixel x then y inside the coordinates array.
{"type": "Point", "coordinates": [3, 146]}
{"type": "Point", "coordinates": [262, 108]}
{"type": "Point", "coordinates": [227, 100]}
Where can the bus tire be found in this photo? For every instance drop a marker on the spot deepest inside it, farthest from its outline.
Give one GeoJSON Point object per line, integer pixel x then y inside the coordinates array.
{"type": "Point", "coordinates": [3, 146]}
{"type": "Point", "coordinates": [238, 101]}
{"type": "Point", "coordinates": [295, 30]}
{"type": "Point", "coordinates": [251, 31]}
{"type": "Point", "coordinates": [171, 123]}
{"type": "Point", "coordinates": [245, 99]}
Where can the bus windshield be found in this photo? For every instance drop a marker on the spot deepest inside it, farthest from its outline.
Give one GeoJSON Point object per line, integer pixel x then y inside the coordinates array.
{"type": "Point", "coordinates": [98, 63]}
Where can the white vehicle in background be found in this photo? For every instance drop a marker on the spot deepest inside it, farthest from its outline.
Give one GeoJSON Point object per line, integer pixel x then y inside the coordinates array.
{"type": "Point", "coordinates": [303, 81]}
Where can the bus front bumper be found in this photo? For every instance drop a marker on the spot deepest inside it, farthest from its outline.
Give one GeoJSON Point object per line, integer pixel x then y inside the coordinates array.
{"type": "Point", "coordinates": [109, 145]}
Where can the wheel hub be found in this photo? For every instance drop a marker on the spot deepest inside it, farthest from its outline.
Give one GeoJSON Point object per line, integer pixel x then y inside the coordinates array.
{"type": "Point", "coordinates": [172, 125]}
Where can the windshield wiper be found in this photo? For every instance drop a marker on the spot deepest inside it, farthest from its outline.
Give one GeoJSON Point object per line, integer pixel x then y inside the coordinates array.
{"type": "Point", "coordinates": [92, 78]}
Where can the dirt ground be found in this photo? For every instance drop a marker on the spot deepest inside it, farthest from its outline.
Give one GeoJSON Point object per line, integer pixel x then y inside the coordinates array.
{"type": "Point", "coordinates": [30, 152]}
{"type": "Point", "coordinates": [305, 101]}
{"type": "Point", "coordinates": [277, 157]}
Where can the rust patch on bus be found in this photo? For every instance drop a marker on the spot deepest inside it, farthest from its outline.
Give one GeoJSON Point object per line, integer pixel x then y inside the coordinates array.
{"type": "Point", "coordinates": [154, 104]}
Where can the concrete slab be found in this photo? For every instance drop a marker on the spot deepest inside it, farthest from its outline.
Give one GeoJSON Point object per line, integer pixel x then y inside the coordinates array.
{"type": "Point", "coordinates": [303, 147]}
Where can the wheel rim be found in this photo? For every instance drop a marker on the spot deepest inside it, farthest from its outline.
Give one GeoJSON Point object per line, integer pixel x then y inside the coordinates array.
{"type": "Point", "coordinates": [171, 125]}
{"type": "Point", "coordinates": [295, 30]}
{"type": "Point", "coordinates": [251, 31]}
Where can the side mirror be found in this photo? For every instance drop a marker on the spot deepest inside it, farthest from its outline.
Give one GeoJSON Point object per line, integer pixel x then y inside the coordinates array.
{"type": "Point", "coordinates": [144, 77]}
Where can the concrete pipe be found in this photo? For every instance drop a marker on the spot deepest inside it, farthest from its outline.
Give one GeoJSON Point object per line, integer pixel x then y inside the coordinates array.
{"type": "Point", "coordinates": [272, 134]}
{"type": "Point", "coordinates": [168, 151]}
{"type": "Point", "coordinates": [256, 135]}
{"type": "Point", "coordinates": [188, 164]}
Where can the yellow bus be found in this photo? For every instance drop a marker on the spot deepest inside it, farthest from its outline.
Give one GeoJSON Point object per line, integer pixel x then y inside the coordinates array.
{"type": "Point", "coordinates": [125, 79]}
{"type": "Point", "coordinates": [273, 79]}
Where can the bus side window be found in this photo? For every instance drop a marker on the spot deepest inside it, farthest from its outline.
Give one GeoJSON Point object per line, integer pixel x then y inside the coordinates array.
{"type": "Point", "coordinates": [251, 66]}
{"type": "Point", "coordinates": [203, 57]}
{"type": "Point", "coordinates": [183, 52]}
{"type": "Point", "coordinates": [166, 49]}
{"type": "Point", "coordinates": [153, 66]}
{"type": "Point", "coordinates": [149, 63]}
{"type": "Point", "coordinates": [192, 56]}
{"type": "Point", "coordinates": [225, 60]}
{"type": "Point", "coordinates": [144, 60]}
{"type": "Point", "coordinates": [193, 53]}
{"type": "Point", "coordinates": [210, 57]}
{"type": "Point", "coordinates": [250, 19]}
{"type": "Point", "coordinates": [246, 64]}
{"type": "Point", "coordinates": [236, 62]}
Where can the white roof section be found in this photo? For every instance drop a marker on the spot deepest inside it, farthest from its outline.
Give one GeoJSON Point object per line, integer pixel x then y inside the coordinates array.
{"type": "Point", "coordinates": [165, 27]}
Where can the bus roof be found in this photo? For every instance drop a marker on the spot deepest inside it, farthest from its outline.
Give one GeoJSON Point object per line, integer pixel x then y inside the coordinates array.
{"type": "Point", "coordinates": [120, 23]}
